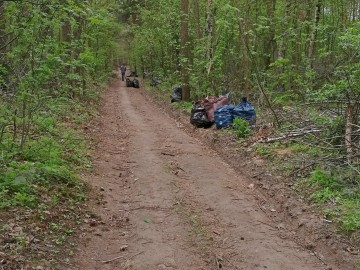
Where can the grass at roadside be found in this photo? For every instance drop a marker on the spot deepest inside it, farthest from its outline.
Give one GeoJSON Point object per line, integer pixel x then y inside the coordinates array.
{"type": "Point", "coordinates": [334, 188]}
{"type": "Point", "coordinates": [41, 195]}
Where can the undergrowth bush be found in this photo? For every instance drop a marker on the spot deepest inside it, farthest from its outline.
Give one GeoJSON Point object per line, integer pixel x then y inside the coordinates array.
{"type": "Point", "coordinates": [341, 199]}
{"type": "Point", "coordinates": [241, 127]}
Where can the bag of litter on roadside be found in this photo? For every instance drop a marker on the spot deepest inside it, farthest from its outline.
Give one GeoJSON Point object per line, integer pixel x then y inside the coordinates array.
{"type": "Point", "coordinates": [224, 116]}
{"type": "Point", "coordinates": [198, 116]}
{"type": "Point", "coordinates": [176, 94]}
{"type": "Point", "coordinates": [212, 103]}
{"type": "Point", "coordinates": [155, 81]}
{"type": "Point", "coordinates": [136, 83]}
{"type": "Point", "coordinates": [129, 83]}
{"type": "Point", "coordinates": [246, 111]}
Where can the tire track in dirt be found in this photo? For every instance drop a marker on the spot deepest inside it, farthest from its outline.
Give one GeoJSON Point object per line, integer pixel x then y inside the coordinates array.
{"type": "Point", "coordinates": [159, 235]}
{"type": "Point", "coordinates": [215, 201]}
{"type": "Point", "coordinates": [134, 225]}
{"type": "Point", "coordinates": [105, 230]}
{"type": "Point", "coordinates": [172, 203]}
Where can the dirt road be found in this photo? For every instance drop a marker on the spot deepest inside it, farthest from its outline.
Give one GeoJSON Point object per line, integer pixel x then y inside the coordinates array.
{"type": "Point", "coordinates": [170, 202]}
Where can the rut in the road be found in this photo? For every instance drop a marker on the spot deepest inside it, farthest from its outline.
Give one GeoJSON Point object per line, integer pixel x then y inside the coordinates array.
{"type": "Point", "coordinates": [172, 203]}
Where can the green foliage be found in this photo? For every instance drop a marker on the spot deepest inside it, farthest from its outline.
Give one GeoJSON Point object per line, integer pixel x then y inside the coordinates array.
{"type": "Point", "coordinates": [263, 150]}
{"type": "Point", "coordinates": [350, 220]}
{"type": "Point", "coordinates": [241, 127]}
{"type": "Point", "coordinates": [60, 56]}
{"type": "Point", "coordinates": [322, 178]}
{"type": "Point", "coordinates": [325, 195]}
{"type": "Point", "coordinates": [346, 76]}
{"type": "Point", "coordinates": [183, 105]}
{"type": "Point", "coordinates": [44, 163]}
{"type": "Point", "coordinates": [330, 187]}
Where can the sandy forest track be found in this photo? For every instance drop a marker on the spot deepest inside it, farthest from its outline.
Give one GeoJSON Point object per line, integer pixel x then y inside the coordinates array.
{"type": "Point", "coordinates": [170, 202]}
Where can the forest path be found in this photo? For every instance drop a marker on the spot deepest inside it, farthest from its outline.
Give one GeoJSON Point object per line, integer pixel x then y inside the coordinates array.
{"type": "Point", "coordinates": [170, 202]}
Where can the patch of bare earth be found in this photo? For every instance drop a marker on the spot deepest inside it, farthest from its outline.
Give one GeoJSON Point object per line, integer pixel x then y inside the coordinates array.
{"type": "Point", "coordinates": [169, 201]}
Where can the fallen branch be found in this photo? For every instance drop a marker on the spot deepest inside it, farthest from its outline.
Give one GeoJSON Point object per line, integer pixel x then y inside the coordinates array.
{"type": "Point", "coordinates": [167, 154]}
{"type": "Point", "coordinates": [348, 131]}
{"type": "Point", "coordinates": [289, 135]}
{"type": "Point", "coordinates": [302, 168]}
{"type": "Point", "coordinates": [149, 208]}
{"type": "Point", "coordinates": [114, 259]}
{"type": "Point", "coordinates": [121, 257]}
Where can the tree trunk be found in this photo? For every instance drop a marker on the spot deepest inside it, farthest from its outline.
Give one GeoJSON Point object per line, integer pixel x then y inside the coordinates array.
{"type": "Point", "coordinates": [281, 50]}
{"type": "Point", "coordinates": [244, 59]}
{"type": "Point", "coordinates": [209, 34]}
{"type": "Point", "coordinates": [348, 131]}
{"type": "Point", "coordinates": [197, 19]}
{"type": "Point", "coordinates": [270, 44]}
{"type": "Point", "coordinates": [313, 36]}
{"type": "Point", "coordinates": [281, 45]}
{"type": "Point", "coordinates": [185, 52]}
{"type": "Point", "coordinates": [2, 28]}
{"type": "Point", "coordinates": [65, 27]}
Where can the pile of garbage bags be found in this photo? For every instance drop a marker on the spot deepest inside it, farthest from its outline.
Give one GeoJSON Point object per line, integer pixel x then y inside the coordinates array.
{"type": "Point", "coordinates": [132, 83]}
{"type": "Point", "coordinates": [218, 110]}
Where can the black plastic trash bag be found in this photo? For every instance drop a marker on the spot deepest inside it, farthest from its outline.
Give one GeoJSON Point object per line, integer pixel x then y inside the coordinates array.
{"type": "Point", "coordinates": [246, 111]}
{"type": "Point", "coordinates": [224, 116]}
{"type": "Point", "coordinates": [129, 83]}
{"type": "Point", "coordinates": [155, 81]}
{"type": "Point", "coordinates": [198, 116]}
{"type": "Point", "coordinates": [176, 94]}
{"type": "Point", "coordinates": [136, 83]}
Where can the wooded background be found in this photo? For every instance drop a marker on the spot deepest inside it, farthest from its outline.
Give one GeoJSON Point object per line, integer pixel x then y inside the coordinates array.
{"type": "Point", "coordinates": [55, 56]}
{"type": "Point", "coordinates": [279, 54]}
{"type": "Point", "coordinates": [296, 61]}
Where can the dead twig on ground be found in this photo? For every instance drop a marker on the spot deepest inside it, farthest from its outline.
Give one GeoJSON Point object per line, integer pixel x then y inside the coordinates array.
{"type": "Point", "coordinates": [149, 207]}
{"type": "Point", "coordinates": [295, 172]}
{"type": "Point", "coordinates": [120, 257]}
{"type": "Point", "coordinates": [168, 154]}
{"type": "Point", "coordinates": [114, 259]}
{"type": "Point", "coordinates": [289, 135]}
{"type": "Point", "coordinates": [262, 222]}
{"type": "Point", "coordinates": [229, 262]}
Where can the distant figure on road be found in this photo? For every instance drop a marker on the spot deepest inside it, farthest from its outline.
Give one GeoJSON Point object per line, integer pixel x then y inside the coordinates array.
{"type": "Point", "coordinates": [123, 70]}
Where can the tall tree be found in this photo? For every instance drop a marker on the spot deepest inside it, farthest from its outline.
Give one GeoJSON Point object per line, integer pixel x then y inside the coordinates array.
{"type": "Point", "coordinates": [184, 49]}
{"type": "Point", "coordinates": [197, 19]}
{"type": "Point", "coordinates": [209, 29]}
{"type": "Point", "coordinates": [269, 42]}
{"type": "Point", "coordinates": [314, 30]}
{"type": "Point", "coordinates": [2, 27]}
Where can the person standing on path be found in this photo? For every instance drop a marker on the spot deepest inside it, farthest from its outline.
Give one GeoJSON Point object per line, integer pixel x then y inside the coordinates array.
{"type": "Point", "coordinates": [123, 70]}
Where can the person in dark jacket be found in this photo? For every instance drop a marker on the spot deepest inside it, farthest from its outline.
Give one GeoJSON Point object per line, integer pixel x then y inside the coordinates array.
{"type": "Point", "coordinates": [123, 70]}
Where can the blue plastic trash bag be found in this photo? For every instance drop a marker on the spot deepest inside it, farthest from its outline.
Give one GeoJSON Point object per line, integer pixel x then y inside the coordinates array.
{"type": "Point", "coordinates": [224, 116]}
{"type": "Point", "coordinates": [245, 111]}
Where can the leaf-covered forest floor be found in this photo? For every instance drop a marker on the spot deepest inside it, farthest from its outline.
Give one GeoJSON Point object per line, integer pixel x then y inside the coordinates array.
{"type": "Point", "coordinates": [163, 195]}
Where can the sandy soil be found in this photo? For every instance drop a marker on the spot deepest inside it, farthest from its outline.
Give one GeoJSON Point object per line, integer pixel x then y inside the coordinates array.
{"type": "Point", "coordinates": [169, 201]}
